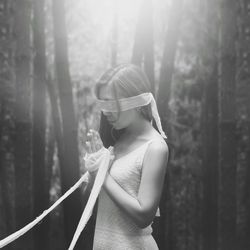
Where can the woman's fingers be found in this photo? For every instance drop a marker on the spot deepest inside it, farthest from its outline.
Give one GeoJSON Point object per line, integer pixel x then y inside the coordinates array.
{"type": "Point", "coordinates": [92, 146]}
{"type": "Point", "coordinates": [92, 135]}
{"type": "Point", "coordinates": [98, 140]}
{"type": "Point", "coordinates": [88, 149]}
{"type": "Point", "coordinates": [94, 141]}
{"type": "Point", "coordinates": [89, 142]}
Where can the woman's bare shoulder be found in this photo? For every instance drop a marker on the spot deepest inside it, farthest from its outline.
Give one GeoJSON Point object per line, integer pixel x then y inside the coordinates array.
{"type": "Point", "coordinates": [157, 139]}
{"type": "Point", "coordinates": [157, 154]}
{"type": "Point", "coordinates": [157, 147]}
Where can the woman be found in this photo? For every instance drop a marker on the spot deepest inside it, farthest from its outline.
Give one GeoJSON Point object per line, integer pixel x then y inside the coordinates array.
{"type": "Point", "coordinates": [130, 195]}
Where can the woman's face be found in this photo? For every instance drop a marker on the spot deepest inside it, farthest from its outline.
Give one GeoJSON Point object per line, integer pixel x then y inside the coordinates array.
{"type": "Point", "coordinates": [118, 120]}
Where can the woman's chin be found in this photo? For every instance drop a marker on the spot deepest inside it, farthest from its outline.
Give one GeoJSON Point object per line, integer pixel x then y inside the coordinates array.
{"type": "Point", "coordinates": [116, 126]}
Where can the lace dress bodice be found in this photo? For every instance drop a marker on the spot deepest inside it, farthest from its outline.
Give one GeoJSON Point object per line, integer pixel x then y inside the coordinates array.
{"type": "Point", "coordinates": [115, 230]}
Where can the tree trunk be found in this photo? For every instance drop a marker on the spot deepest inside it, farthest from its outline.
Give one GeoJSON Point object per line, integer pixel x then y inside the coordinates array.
{"type": "Point", "coordinates": [114, 41]}
{"type": "Point", "coordinates": [243, 128]}
{"type": "Point", "coordinates": [163, 97]}
{"type": "Point", "coordinates": [149, 45]}
{"type": "Point", "coordinates": [227, 128]}
{"type": "Point", "coordinates": [143, 51]}
{"type": "Point", "coordinates": [7, 124]}
{"type": "Point", "coordinates": [55, 113]}
{"type": "Point", "coordinates": [247, 187]}
{"type": "Point", "coordinates": [23, 194]}
{"type": "Point", "coordinates": [40, 196]}
{"type": "Point", "coordinates": [167, 64]}
{"type": "Point", "coordinates": [49, 150]}
{"type": "Point", "coordinates": [210, 162]}
{"type": "Point", "coordinates": [210, 132]}
{"type": "Point", "coordinates": [88, 233]}
{"type": "Point", "coordinates": [49, 160]}
{"type": "Point", "coordinates": [70, 172]}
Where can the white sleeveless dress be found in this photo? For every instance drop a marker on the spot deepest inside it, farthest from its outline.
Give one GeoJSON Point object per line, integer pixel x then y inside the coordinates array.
{"type": "Point", "coordinates": [114, 229]}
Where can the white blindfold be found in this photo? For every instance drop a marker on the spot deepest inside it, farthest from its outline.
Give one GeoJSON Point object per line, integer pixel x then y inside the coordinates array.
{"type": "Point", "coordinates": [131, 103]}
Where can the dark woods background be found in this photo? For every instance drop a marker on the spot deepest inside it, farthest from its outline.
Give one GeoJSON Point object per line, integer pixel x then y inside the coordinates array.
{"type": "Point", "coordinates": [196, 54]}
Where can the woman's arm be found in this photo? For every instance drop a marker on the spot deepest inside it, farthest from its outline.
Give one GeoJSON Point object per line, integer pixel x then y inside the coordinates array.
{"type": "Point", "coordinates": [143, 209]}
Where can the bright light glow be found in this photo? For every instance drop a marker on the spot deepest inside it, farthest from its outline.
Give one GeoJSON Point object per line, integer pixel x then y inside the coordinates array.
{"type": "Point", "coordinates": [91, 37]}
{"type": "Point", "coordinates": [103, 11]}
{"type": "Point", "coordinates": [90, 32]}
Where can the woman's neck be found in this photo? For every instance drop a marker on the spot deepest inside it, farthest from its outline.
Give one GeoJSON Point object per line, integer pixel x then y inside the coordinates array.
{"type": "Point", "coordinates": [138, 128]}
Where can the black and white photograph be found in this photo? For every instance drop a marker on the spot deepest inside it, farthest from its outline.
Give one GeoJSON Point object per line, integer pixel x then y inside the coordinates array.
{"type": "Point", "coordinates": [125, 124]}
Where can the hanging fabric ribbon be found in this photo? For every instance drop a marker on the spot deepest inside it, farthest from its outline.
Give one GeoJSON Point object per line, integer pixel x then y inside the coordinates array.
{"type": "Point", "coordinates": [4, 242]}
{"type": "Point", "coordinates": [100, 162]}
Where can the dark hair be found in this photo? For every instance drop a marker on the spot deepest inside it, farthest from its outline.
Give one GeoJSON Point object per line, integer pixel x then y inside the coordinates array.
{"type": "Point", "coordinates": [127, 80]}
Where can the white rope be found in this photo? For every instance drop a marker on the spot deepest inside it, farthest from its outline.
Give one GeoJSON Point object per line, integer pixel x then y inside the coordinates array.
{"type": "Point", "coordinates": [101, 158]}
{"type": "Point", "coordinates": [96, 161]}
{"type": "Point", "coordinates": [25, 229]}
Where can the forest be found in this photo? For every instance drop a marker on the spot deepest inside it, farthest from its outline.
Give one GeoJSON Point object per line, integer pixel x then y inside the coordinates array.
{"type": "Point", "coordinates": [196, 54]}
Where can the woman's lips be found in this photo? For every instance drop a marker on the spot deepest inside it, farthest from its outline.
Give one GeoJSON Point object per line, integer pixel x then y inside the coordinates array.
{"type": "Point", "coordinates": [111, 119]}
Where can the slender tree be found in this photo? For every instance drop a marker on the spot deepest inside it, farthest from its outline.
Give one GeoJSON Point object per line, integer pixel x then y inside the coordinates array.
{"type": "Point", "coordinates": [49, 153]}
{"type": "Point", "coordinates": [23, 185]}
{"type": "Point", "coordinates": [143, 52]}
{"type": "Point", "coordinates": [114, 38]}
{"type": "Point", "coordinates": [40, 196]}
{"type": "Point", "coordinates": [168, 59]}
{"type": "Point", "coordinates": [88, 233]}
{"type": "Point", "coordinates": [210, 130]}
{"type": "Point", "coordinates": [70, 162]}
{"type": "Point", "coordinates": [243, 127]}
{"type": "Point", "coordinates": [163, 98]}
{"type": "Point", "coordinates": [7, 124]}
{"type": "Point", "coordinates": [55, 113]}
{"type": "Point", "coordinates": [247, 187]}
{"type": "Point", "coordinates": [227, 128]}
{"type": "Point", "coordinates": [149, 45]}
{"type": "Point", "coordinates": [137, 54]}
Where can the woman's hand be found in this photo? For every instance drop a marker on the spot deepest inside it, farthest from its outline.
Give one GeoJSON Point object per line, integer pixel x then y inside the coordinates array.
{"type": "Point", "coordinates": [94, 142]}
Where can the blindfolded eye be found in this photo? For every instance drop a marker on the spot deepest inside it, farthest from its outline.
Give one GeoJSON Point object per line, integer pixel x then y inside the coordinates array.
{"type": "Point", "coordinates": [108, 106]}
